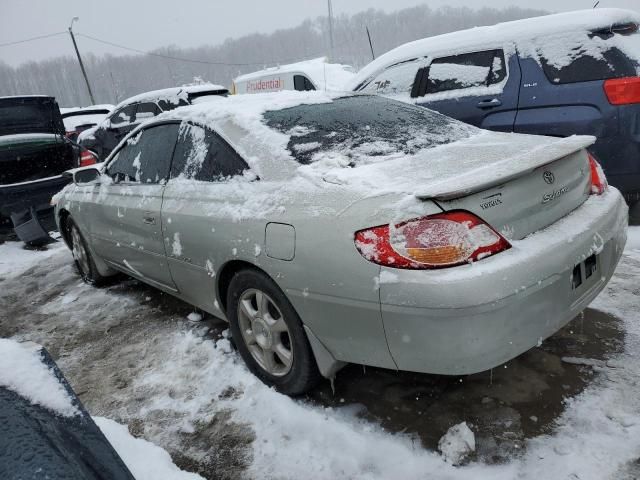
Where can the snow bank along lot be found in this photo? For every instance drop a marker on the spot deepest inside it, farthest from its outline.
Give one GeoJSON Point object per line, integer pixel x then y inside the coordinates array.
{"type": "Point", "coordinates": [132, 356]}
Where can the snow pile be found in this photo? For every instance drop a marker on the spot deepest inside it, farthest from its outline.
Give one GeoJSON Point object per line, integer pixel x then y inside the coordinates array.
{"type": "Point", "coordinates": [145, 460]}
{"type": "Point", "coordinates": [22, 371]}
{"type": "Point", "coordinates": [457, 444]}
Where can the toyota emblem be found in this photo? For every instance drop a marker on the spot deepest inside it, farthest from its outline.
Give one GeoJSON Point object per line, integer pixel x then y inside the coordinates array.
{"type": "Point", "coordinates": [548, 177]}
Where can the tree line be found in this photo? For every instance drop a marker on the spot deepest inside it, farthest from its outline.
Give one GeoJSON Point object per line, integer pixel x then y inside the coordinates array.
{"type": "Point", "coordinates": [116, 77]}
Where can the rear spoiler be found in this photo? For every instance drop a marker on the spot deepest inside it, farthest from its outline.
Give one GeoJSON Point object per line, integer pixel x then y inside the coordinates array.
{"type": "Point", "coordinates": [498, 173]}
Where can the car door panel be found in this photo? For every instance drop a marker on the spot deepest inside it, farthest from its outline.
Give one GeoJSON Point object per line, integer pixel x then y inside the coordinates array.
{"type": "Point", "coordinates": [563, 109]}
{"type": "Point", "coordinates": [129, 229]}
{"type": "Point", "coordinates": [196, 221]}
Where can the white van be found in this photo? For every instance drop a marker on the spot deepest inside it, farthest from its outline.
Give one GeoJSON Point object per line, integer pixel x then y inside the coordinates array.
{"type": "Point", "coordinates": [314, 74]}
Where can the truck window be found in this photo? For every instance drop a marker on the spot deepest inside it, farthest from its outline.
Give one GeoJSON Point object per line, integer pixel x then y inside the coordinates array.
{"type": "Point", "coordinates": [395, 79]}
{"type": "Point", "coordinates": [584, 57]}
{"type": "Point", "coordinates": [302, 83]}
{"type": "Point", "coordinates": [456, 72]}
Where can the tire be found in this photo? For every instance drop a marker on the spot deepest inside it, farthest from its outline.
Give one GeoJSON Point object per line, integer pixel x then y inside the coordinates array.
{"type": "Point", "coordinates": [82, 258]}
{"type": "Point", "coordinates": [268, 334]}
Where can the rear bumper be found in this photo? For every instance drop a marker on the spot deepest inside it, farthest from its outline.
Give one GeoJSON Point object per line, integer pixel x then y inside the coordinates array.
{"type": "Point", "coordinates": [469, 319]}
{"type": "Point", "coordinates": [17, 198]}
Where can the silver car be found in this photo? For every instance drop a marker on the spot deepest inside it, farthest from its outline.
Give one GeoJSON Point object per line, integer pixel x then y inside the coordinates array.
{"type": "Point", "coordinates": [329, 229]}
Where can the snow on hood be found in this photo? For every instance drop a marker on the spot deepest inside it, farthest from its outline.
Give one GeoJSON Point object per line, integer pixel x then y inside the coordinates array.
{"type": "Point", "coordinates": [24, 373]}
{"type": "Point", "coordinates": [324, 75]}
{"type": "Point", "coordinates": [550, 33]}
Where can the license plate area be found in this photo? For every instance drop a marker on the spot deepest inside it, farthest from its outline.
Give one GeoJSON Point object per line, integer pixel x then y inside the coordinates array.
{"type": "Point", "coordinates": [585, 272]}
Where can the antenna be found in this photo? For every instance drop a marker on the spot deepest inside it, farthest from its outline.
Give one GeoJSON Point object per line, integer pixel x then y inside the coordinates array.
{"type": "Point", "coordinates": [373, 55]}
{"type": "Point", "coordinates": [596, 4]}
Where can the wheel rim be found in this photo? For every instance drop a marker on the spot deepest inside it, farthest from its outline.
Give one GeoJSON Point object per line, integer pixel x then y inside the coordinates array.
{"type": "Point", "coordinates": [264, 332]}
{"type": "Point", "coordinates": [78, 251]}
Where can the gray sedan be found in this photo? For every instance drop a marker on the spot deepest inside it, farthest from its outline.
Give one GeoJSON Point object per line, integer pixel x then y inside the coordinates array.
{"type": "Point", "coordinates": [329, 229]}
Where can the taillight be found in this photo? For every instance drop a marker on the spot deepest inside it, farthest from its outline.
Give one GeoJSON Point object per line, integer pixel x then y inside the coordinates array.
{"type": "Point", "coordinates": [598, 180]}
{"type": "Point", "coordinates": [622, 91]}
{"type": "Point", "coordinates": [87, 158]}
{"type": "Point", "coordinates": [436, 241]}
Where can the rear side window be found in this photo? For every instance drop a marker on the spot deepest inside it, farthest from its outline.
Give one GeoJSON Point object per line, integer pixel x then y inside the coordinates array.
{"type": "Point", "coordinates": [467, 70]}
{"type": "Point", "coordinates": [124, 116]}
{"type": "Point", "coordinates": [203, 155]}
{"type": "Point", "coordinates": [302, 83]}
{"type": "Point", "coordinates": [584, 57]}
{"type": "Point", "coordinates": [145, 158]}
{"type": "Point", "coordinates": [395, 79]}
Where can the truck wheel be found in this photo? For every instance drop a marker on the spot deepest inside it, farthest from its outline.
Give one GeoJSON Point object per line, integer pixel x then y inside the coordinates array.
{"type": "Point", "coordinates": [82, 256]}
{"type": "Point", "coordinates": [269, 335]}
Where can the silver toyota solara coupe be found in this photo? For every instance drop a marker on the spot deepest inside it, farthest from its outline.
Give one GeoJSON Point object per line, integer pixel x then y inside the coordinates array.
{"type": "Point", "coordinates": [335, 228]}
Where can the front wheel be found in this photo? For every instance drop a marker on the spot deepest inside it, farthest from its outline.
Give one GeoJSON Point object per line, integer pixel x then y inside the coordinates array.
{"type": "Point", "coordinates": [82, 256]}
{"type": "Point", "coordinates": [269, 335]}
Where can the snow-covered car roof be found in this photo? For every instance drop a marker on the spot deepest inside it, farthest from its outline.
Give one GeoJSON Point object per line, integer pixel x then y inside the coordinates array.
{"type": "Point", "coordinates": [324, 75]}
{"type": "Point", "coordinates": [326, 144]}
{"type": "Point", "coordinates": [494, 36]}
{"type": "Point", "coordinates": [173, 94]}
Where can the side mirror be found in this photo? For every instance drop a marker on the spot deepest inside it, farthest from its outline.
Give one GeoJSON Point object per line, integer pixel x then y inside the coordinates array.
{"type": "Point", "coordinates": [86, 175]}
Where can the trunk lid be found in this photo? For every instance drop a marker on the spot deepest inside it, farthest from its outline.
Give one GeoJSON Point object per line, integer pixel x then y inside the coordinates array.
{"type": "Point", "coordinates": [516, 183]}
{"type": "Point", "coordinates": [31, 114]}
{"type": "Point", "coordinates": [533, 200]}
{"type": "Point", "coordinates": [34, 156]}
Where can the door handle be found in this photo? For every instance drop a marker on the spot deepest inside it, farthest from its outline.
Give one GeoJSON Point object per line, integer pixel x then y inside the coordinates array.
{"type": "Point", "coordinates": [149, 219]}
{"type": "Point", "coordinates": [494, 102]}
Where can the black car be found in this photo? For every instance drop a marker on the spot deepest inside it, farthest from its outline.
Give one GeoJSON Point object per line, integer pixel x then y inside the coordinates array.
{"type": "Point", "coordinates": [33, 155]}
{"type": "Point", "coordinates": [135, 110]}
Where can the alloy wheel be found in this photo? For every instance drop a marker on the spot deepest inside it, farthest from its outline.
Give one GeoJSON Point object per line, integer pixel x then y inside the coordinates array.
{"type": "Point", "coordinates": [265, 332]}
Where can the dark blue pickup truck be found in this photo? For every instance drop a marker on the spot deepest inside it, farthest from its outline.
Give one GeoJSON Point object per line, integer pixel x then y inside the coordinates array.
{"type": "Point", "coordinates": [558, 75]}
{"type": "Point", "coordinates": [34, 153]}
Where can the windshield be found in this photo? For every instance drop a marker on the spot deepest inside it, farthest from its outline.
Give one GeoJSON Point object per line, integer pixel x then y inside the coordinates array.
{"type": "Point", "coordinates": [362, 128]}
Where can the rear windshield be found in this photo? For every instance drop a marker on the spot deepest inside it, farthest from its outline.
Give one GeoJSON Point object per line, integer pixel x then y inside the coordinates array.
{"type": "Point", "coordinates": [358, 129]}
{"type": "Point", "coordinates": [18, 116]}
{"type": "Point", "coordinates": [597, 55]}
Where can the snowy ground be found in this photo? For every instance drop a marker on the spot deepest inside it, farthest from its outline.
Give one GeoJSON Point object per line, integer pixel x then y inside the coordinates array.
{"type": "Point", "coordinates": [132, 356]}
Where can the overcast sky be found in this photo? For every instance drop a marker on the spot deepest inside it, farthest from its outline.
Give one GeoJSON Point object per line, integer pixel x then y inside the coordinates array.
{"type": "Point", "coordinates": [148, 24]}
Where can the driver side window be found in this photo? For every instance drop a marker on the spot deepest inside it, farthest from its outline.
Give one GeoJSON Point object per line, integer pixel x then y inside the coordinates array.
{"type": "Point", "coordinates": [146, 157]}
{"type": "Point", "coordinates": [124, 116]}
